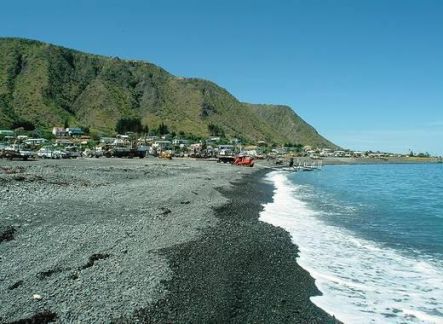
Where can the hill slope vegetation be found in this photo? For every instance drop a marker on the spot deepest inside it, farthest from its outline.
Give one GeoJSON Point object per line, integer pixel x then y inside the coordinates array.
{"type": "Point", "coordinates": [49, 85]}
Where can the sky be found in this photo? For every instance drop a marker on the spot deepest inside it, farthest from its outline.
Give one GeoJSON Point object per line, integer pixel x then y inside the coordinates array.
{"type": "Point", "coordinates": [367, 74]}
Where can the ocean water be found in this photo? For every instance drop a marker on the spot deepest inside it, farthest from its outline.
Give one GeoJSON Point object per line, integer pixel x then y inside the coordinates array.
{"type": "Point", "coordinates": [370, 235]}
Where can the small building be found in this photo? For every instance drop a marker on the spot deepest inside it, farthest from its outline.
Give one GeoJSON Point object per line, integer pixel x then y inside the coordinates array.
{"type": "Point", "coordinates": [107, 140]}
{"type": "Point", "coordinates": [63, 142]}
{"type": "Point", "coordinates": [151, 138]}
{"type": "Point", "coordinates": [326, 152]}
{"type": "Point", "coordinates": [339, 153]}
{"type": "Point", "coordinates": [59, 131]}
{"type": "Point", "coordinates": [36, 141]}
{"type": "Point", "coordinates": [76, 131]}
{"type": "Point", "coordinates": [215, 139]}
{"type": "Point", "coordinates": [6, 132]}
{"type": "Point", "coordinates": [166, 137]}
{"type": "Point", "coordinates": [177, 142]}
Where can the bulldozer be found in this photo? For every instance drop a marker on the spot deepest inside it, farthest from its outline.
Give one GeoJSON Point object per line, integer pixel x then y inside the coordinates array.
{"type": "Point", "coordinates": [165, 155]}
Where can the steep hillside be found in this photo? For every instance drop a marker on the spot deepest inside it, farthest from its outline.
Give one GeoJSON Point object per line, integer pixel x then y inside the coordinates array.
{"type": "Point", "coordinates": [290, 125]}
{"type": "Point", "coordinates": [48, 84]}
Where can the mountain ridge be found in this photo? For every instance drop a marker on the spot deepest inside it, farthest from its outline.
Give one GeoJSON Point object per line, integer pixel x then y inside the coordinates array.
{"type": "Point", "coordinates": [48, 85]}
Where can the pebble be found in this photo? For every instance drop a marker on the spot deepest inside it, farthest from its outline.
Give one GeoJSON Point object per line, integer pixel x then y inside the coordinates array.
{"type": "Point", "coordinates": [37, 297]}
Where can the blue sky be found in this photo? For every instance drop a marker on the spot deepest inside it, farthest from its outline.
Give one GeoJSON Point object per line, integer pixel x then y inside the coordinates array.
{"type": "Point", "coordinates": [368, 74]}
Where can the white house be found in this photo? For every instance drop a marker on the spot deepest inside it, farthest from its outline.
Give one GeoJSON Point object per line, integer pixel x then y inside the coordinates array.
{"type": "Point", "coordinates": [59, 131]}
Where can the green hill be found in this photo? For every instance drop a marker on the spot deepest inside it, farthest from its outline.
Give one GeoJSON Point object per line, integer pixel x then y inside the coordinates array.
{"type": "Point", "coordinates": [47, 85]}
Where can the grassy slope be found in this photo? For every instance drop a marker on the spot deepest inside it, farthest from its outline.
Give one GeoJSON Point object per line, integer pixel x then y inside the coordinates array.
{"type": "Point", "coordinates": [47, 84]}
{"type": "Point", "coordinates": [290, 125]}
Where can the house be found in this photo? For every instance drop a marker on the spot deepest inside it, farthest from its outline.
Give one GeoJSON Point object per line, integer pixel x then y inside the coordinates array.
{"type": "Point", "coordinates": [6, 132]}
{"type": "Point", "coordinates": [59, 131]}
{"type": "Point", "coordinates": [212, 141]}
{"type": "Point", "coordinates": [177, 142]}
{"type": "Point", "coordinates": [166, 137]}
{"type": "Point", "coordinates": [150, 139]}
{"type": "Point", "coordinates": [339, 153]}
{"type": "Point", "coordinates": [326, 152]}
{"type": "Point", "coordinates": [107, 140]}
{"type": "Point", "coordinates": [63, 142]}
{"type": "Point", "coordinates": [74, 131]}
{"type": "Point", "coordinates": [36, 141]}
{"type": "Point", "coordinates": [215, 139]}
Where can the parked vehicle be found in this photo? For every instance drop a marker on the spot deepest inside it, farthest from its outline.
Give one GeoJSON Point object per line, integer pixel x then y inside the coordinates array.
{"type": "Point", "coordinates": [97, 152]}
{"type": "Point", "coordinates": [59, 154]}
{"type": "Point", "coordinates": [226, 154]}
{"type": "Point", "coordinates": [226, 159]}
{"type": "Point", "coordinates": [73, 152]}
{"type": "Point", "coordinates": [17, 151]}
{"type": "Point", "coordinates": [244, 160]}
{"type": "Point", "coordinates": [45, 153]}
{"type": "Point", "coordinates": [165, 155]}
{"type": "Point", "coordinates": [125, 151]}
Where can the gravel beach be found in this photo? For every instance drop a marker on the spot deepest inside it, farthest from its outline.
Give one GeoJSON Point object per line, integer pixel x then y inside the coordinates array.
{"type": "Point", "coordinates": [149, 240]}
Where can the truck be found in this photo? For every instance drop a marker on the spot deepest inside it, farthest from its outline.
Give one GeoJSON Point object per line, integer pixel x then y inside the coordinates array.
{"type": "Point", "coordinates": [18, 151]}
{"type": "Point", "coordinates": [225, 154]}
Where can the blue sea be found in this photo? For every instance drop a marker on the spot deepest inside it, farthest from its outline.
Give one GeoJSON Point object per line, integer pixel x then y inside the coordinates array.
{"type": "Point", "coordinates": [370, 235]}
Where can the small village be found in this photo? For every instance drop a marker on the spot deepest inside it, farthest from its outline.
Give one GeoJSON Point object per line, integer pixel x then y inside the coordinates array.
{"type": "Point", "coordinates": [65, 143]}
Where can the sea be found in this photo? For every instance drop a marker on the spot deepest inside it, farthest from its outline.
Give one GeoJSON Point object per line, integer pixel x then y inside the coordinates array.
{"type": "Point", "coordinates": [370, 235]}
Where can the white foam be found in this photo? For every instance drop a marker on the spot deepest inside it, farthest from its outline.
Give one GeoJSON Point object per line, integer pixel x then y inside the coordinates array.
{"type": "Point", "coordinates": [361, 281]}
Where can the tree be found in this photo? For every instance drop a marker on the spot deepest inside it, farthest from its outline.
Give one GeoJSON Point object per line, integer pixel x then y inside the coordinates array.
{"type": "Point", "coordinates": [26, 125]}
{"type": "Point", "coordinates": [86, 130]}
{"type": "Point", "coordinates": [163, 129]}
{"type": "Point", "coordinates": [129, 124]}
{"type": "Point", "coordinates": [66, 125]}
{"type": "Point", "coordinates": [215, 130]}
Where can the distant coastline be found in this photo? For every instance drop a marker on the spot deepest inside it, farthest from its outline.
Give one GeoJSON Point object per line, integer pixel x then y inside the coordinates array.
{"type": "Point", "coordinates": [389, 160]}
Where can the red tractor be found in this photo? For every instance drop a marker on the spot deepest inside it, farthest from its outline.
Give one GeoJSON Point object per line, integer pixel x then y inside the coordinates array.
{"type": "Point", "coordinates": [244, 160]}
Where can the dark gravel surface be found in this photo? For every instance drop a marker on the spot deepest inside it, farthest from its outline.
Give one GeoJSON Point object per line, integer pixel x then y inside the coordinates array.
{"type": "Point", "coordinates": [241, 271]}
